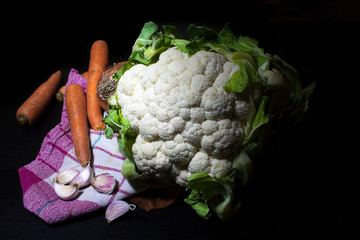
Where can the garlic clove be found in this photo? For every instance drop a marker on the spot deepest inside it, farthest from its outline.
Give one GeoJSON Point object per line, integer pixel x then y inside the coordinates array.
{"type": "Point", "coordinates": [116, 209]}
{"type": "Point", "coordinates": [66, 176]}
{"type": "Point", "coordinates": [104, 183]}
{"type": "Point", "coordinates": [66, 192]}
{"type": "Point", "coordinates": [84, 177]}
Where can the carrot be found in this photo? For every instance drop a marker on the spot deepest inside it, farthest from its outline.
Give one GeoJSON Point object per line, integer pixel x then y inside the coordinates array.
{"type": "Point", "coordinates": [75, 104]}
{"type": "Point", "coordinates": [32, 109]}
{"type": "Point", "coordinates": [61, 92]}
{"type": "Point", "coordinates": [85, 75]}
{"type": "Point", "coordinates": [99, 55]}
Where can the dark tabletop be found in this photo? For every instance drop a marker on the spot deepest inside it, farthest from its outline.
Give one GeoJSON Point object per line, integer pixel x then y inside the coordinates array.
{"type": "Point", "coordinates": [306, 180]}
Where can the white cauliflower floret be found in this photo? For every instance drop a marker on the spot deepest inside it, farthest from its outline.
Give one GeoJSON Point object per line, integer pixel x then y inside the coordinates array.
{"type": "Point", "coordinates": [186, 122]}
{"type": "Point", "coordinates": [178, 150]}
{"type": "Point", "coordinates": [218, 104]}
{"type": "Point", "coordinates": [148, 127]}
{"type": "Point", "coordinates": [149, 158]}
{"type": "Point", "coordinates": [219, 167]}
{"type": "Point", "coordinates": [131, 80]}
{"type": "Point", "coordinates": [200, 163]}
{"type": "Point", "coordinates": [223, 138]}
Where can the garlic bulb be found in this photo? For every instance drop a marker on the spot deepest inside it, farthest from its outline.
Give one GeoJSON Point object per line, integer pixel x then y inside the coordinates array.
{"type": "Point", "coordinates": [66, 192]}
{"type": "Point", "coordinates": [104, 183]}
{"type": "Point", "coordinates": [66, 176]}
{"type": "Point", "coordinates": [116, 209]}
{"type": "Point", "coordinates": [84, 177]}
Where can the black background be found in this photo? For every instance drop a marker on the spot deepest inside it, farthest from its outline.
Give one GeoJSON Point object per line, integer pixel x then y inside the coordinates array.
{"type": "Point", "coordinates": [306, 181]}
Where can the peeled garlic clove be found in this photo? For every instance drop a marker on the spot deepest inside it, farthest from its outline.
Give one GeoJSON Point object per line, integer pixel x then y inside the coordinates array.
{"type": "Point", "coordinates": [116, 209]}
{"type": "Point", "coordinates": [84, 177]}
{"type": "Point", "coordinates": [66, 192]}
{"type": "Point", "coordinates": [104, 183]}
{"type": "Point", "coordinates": [66, 176]}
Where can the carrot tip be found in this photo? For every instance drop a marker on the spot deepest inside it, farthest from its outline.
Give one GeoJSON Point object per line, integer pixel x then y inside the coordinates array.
{"type": "Point", "coordinates": [85, 164]}
{"type": "Point", "coordinates": [23, 120]}
{"type": "Point", "coordinates": [100, 128]}
{"type": "Point", "coordinates": [59, 96]}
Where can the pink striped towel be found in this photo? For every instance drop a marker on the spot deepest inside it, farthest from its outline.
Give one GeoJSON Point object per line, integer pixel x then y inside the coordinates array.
{"type": "Point", "coordinates": [56, 154]}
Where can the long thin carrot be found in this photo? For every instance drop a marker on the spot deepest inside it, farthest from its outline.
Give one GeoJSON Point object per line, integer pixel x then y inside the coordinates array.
{"type": "Point", "coordinates": [32, 109]}
{"type": "Point", "coordinates": [99, 55]}
{"type": "Point", "coordinates": [75, 104]}
{"type": "Point", "coordinates": [61, 92]}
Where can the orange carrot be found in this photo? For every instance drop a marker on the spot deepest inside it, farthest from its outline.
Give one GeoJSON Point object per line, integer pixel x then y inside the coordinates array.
{"type": "Point", "coordinates": [85, 75]}
{"type": "Point", "coordinates": [32, 109]}
{"type": "Point", "coordinates": [75, 104]}
{"type": "Point", "coordinates": [61, 92]}
{"type": "Point", "coordinates": [99, 55]}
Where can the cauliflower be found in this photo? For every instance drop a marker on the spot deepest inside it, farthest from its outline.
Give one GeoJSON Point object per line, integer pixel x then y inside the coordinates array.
{"type": "Point", "coordinates": [193, 112]}
{"type": "Point", "coordinates": [184, 120]}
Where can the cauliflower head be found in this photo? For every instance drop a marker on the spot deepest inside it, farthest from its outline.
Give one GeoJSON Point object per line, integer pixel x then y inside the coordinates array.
{"type": "Point", "coordinates": [184, 119]}
{"type": "Point", "coordinates": [194, 112]}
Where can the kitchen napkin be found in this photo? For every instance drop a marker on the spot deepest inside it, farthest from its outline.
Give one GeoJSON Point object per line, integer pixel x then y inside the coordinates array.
{"type": "Point", "coordinates": [56, 154]}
